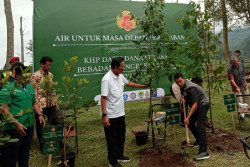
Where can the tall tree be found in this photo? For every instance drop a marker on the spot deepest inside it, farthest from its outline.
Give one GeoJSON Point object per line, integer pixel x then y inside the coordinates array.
{"type": "Point", "coordinates": [241, 9]}
{"type": "Point", "coordinates": [225, 30]}
{"type": "Point", "coordinates": [156, 50]}
{"type": "Point", "coordinates": [21, 34]}
{"type": "Point", "coordinates": [10, 32]}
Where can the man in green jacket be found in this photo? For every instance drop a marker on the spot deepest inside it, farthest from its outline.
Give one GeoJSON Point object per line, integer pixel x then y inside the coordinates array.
{"type": "Point", "coordinates": [18, 99]}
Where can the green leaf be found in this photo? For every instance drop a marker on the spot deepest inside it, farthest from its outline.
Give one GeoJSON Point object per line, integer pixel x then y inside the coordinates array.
{"type": "Point", "coordinates": [13, 140]}
{"type": "Point", "coordinates": [6, 138]}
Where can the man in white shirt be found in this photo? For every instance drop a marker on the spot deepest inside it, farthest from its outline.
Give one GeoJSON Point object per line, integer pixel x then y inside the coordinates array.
{"type": "Point", "coordinates": [112, 110]}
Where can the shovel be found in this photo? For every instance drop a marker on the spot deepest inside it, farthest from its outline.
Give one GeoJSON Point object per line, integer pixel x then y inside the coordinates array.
{"type": "Point", "coordinates": [187, 142]}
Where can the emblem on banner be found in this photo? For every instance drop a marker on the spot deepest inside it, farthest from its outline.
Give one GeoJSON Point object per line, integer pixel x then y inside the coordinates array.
{"type": "Point", "coordinates": [141, 94]}
{"type": "Point", "coordinates": [125, 22]}
{"type": "Point", "coordinates": [132, 95]}
{"type": "Point", "coordinates": [125, 97]}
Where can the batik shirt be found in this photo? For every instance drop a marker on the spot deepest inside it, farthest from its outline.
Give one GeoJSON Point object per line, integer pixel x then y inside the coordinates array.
{"type": "Point", "coordinates": [43, 99]}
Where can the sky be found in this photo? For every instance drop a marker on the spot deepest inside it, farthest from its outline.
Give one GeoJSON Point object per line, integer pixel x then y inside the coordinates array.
{"type": "Point", "coordinates": [24, 8]}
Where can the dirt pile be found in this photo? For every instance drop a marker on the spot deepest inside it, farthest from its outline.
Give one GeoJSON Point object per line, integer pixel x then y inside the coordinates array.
{"type": "Point", "coordinates": [153, 157]}
{"type": "Point", "coordinates": [222, 141]}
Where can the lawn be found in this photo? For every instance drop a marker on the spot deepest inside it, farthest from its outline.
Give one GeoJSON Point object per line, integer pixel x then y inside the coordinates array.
{"type": "Point", "coordinates": [92, 144]}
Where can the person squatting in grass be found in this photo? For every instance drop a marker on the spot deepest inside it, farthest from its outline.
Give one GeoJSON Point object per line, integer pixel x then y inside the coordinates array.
{"type": "Point", "coordinates": [198, 102]}
{"type": "Point", "coordinates": [112, 110]}
{"type": "Point", "coordinates": [18, 96]}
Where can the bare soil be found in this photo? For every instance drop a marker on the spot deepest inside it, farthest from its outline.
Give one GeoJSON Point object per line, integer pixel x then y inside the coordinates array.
{"type": "Point", "coordinates": [221, 141]}
{"type": "Point", "coordinates": [153, 157]}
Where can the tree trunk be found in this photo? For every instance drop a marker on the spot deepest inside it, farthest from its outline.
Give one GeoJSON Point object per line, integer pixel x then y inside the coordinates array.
{"type": "Point", "coordinates": [225, 31]}
{"type": "Point", "coordinates": [10, 32]}
{"type": "Point", "coordinates": [21, 34]}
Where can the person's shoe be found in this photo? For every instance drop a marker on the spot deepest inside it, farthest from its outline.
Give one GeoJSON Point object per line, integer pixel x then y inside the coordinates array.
{"type": "Point", "coordinates": [123, 159]}
{"type": "Point", "coordinates": [208, 125]}
{"type": "Point", "coordinates": [201, 156]}
{"type": "Point", "coordinates": [196, 144]}
{"type": "Point", "coordinates": [242, 119]}
{"type": "Point", "coordinates": [117, 164]}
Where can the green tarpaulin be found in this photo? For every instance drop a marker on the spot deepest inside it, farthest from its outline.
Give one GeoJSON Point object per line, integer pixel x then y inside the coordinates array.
{"type": "Point", "coordinates": [95, 31]}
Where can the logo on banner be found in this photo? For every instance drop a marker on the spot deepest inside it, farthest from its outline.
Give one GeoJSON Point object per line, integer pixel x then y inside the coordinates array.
{"type": "Point", "coordinates": [125, 22]}
{"type": "Point", "coordinates": [154, 93]}
{"type": "Point", "coordinates": [125, 97]}
{"type": "Point", "coordinates": [132, 95]}
{"type": "Point", "coordinates": [141, 94]}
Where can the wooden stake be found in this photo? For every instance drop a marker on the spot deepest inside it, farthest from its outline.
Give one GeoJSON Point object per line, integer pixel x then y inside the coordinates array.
{"type": "Point", "coordinates": [175, 138]}
{"type": "Point", "coordinates": [233, 121]}
{"type": "Point", "coordinates": [49, 160]}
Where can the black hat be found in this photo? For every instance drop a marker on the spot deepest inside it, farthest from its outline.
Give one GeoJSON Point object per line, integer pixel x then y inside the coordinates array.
{"type": "Point", "coordinates": [20, 69]}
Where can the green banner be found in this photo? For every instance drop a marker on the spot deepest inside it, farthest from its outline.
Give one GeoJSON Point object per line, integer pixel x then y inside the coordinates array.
{"type": "Point", "coordinates": [52, 133]}
{"type": "Point", "coordinates": [231, 108]}
{"type": "Point", "coordinates": [96, 31]}
{"type": "Point", "coordinates": [50, 148]}
{"type": "Point", "coordinates": [173, 108]}
{"type": "Point", "coordinates": [229, 99]}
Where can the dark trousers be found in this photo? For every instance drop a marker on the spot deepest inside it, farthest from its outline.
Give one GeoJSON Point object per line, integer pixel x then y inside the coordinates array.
{"type": "Point", "coordinates": [115, 138]}
{"type": "Point", "coordinates": [50, 113]}
{"type": "Point", "coordinates": [18, 151]}
{"type": "Point", "coordinates": [199, 131]}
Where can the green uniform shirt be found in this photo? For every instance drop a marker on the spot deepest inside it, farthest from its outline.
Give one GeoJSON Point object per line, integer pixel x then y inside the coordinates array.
{"type": "Point", "coordinates": [19, 99]}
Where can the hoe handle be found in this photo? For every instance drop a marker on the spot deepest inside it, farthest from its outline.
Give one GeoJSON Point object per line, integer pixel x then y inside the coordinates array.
{"type": "Point", "coordinates": [186, 126]}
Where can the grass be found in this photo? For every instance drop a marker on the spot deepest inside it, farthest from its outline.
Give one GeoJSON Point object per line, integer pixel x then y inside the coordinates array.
{"type": "Point", "coordinates": [92, 144]}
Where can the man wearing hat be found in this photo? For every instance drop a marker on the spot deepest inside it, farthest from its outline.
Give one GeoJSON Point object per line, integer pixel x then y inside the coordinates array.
{"type": "Point", "coordinates": [19, 102]}
{"type": "Point", "coordinates": [9, 73]}
{"type": "Point", "coordinates": [14, 60]}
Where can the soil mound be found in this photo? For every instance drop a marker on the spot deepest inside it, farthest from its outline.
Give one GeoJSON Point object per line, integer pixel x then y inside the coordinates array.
{"type": "Point", "coordinates": [153, 157]}
{"type": "Point", "coordinates": [222, 141]}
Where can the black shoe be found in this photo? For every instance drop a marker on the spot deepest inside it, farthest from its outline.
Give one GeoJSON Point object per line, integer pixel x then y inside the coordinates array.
{"type": "Point", "coordinates": [242, 119]}
{"type": "Point", "coordinates": [196, 144]}
{"type": "Point", "coordinates": [201, 156]}
{"type": "Point", "coordinates": [117, 164]}
{"type": "Point", "coordinates": [123, 159]}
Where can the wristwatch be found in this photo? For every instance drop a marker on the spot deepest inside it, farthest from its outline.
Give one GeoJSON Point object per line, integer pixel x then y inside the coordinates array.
{"type": "Point", "coordinates": [40, 114]}
{"type": "Point", "coordinates": [104, 115]}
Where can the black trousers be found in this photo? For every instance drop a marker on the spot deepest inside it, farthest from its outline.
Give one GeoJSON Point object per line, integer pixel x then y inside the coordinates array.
{"type": "Point", "coordinates": [50, 113]}
{"type": "Point", "coordinates": [18, 151]}
{"type": "Point", "coordinates": [115, 138]}
{"type": "Point", "coordinates": [199, 130]}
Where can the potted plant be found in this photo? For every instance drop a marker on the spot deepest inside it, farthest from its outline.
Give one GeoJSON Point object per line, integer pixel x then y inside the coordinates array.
{"type": "Point", "coordinates": [69, 101]}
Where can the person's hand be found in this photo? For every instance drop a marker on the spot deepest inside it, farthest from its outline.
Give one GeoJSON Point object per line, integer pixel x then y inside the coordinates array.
{"type": "Point", "coordinates": [182, 99]}
{"type": "Point", "coordinates": [42, 121]}
{"type": "Point", "coordinates": [20, 128]}
{"type": "Point", "coordinates": [238, 89]}
{"type": "Point", "coordinates": [245, 86]}
{"type": "Point", "coordinates": [105, 121]}
{"type": "Point", "coordinates": [186, 121]}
